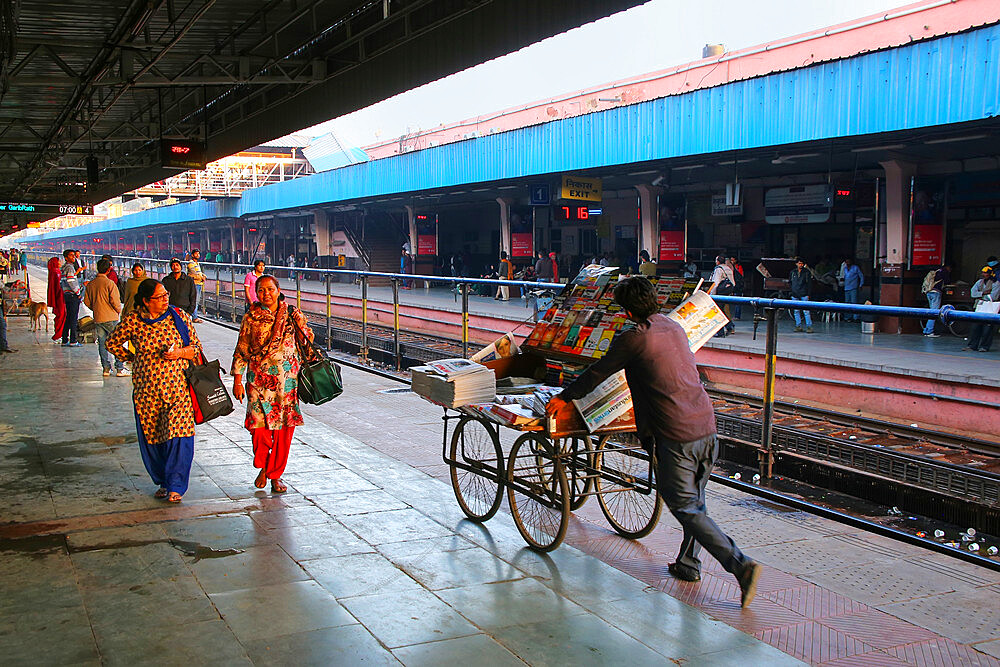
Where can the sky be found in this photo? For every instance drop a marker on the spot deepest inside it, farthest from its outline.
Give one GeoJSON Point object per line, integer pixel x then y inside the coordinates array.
{"type": "Point", "coordinates": [653, 36]}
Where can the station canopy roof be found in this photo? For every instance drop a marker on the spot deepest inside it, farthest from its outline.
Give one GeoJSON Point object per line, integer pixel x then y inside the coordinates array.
{"type": "Point", "coordinates": [100, 84]}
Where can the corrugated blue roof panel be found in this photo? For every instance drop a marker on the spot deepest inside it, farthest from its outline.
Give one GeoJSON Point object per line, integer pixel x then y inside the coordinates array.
{"type": "Point", "coordinates": [188, 212]}
{"type": "Point", "coordinates": [950, 79]}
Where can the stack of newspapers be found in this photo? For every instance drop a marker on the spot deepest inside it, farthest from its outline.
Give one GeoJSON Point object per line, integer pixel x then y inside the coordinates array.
{"type": "Point", "coordinates": [454, 382]}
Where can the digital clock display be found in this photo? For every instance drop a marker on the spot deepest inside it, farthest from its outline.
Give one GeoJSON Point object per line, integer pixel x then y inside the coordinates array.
{"type": "Point", "coordinates": [576, 213]}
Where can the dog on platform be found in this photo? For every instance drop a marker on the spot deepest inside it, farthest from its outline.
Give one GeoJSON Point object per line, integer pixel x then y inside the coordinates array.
{"type": "Point", "coordinates": [36, 311]}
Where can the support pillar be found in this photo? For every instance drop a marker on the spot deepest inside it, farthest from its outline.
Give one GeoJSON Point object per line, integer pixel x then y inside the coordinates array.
{"type": "Point", "coordinates": [505, 204]}
{"type": "Point", "coordinates": [321, 221]}
{"type": "Point", "coordinates": [649, 233]}
{"type": "Point", "coordinates": [896, 281]}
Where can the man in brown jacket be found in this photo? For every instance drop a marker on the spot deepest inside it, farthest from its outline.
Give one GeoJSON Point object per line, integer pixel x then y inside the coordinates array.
{"type": "Point", "coordinates": [101, 296]}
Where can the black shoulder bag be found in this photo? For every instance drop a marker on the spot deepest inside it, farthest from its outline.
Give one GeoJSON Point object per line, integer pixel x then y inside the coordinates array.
{"type": "Point", "coordinates": [319, 377]}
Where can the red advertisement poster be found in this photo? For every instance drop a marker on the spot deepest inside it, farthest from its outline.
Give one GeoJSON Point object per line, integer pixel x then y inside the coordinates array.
{"type": "Point", "coordinates": [671, 246]}
{"type": "Point", "coordinates": [928, 245]}
{"type": "Point", "coordinates": [427, 244]}
{"type": "Point", "coordinates": [672, 218]}
{"type": "Point", "coordinates": [520, 245]}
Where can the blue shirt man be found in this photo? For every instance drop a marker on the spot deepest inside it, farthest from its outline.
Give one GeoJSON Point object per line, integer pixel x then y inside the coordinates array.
{"type": "Point", "coordinates": [853, 280]}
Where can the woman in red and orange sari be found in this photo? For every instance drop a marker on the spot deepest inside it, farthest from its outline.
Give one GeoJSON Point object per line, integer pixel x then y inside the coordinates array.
{"type": "Point", "coordinates": [54, 297]}
{"type": "Point", "coordinates": [267, 352]}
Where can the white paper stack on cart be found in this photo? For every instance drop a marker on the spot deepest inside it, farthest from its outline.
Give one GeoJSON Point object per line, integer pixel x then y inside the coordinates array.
{"type": "Point", "coordinates": [454, 382]}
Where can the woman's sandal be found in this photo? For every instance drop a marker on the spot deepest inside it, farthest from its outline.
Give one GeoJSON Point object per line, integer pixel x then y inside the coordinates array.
{"type": "Point", "coordinates": [160, 493]}
{"type": "Point", "coordinates": [174, 497]}
{"type": "Point", "coordinates": [277, 486]}
{"type": "Point", "coordinates": [261, 480]}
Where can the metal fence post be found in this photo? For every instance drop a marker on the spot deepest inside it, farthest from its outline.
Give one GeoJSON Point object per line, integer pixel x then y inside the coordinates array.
{"type": "Point", "coordinates": [465, 320]}
{"type": "Point", "coordinates": [364, 318]}
{"type": "Point", "coordinates": [770, 352]}
{"type": "Point", "coordinates": [232, 287]}
{"type": "Point", "coordinates": [218, 291]}
{"type": "Point", "coordinates": [395, 322]}
{"type": "Point", "coordinates": [298, 289]}
{"type": "Point", "coordinates": [329, 312]}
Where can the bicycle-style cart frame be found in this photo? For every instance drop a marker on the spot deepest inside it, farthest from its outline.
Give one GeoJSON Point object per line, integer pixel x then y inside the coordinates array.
{"type": "Point", "coordinates": [546, 475]}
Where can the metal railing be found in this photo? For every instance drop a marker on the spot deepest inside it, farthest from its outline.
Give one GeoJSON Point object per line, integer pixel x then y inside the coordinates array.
{"type": "Point", "coordinates": [769, 306]}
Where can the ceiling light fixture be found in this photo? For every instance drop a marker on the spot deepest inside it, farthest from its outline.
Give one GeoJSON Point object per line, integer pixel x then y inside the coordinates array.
{"type": "Point", "coordinates": [870, 149]}
{"type": "Point", "coordinates": [688, 166]}
{"type": "Point", "coordinates": [949, 140]}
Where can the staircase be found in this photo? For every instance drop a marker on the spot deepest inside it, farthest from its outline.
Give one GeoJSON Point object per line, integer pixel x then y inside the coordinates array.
{"type": "Point", "coordinates": [383, 240]}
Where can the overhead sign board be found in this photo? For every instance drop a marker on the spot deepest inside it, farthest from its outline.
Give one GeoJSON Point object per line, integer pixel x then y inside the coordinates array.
{"type": "Point", "coordinates": [47, 209]}
{"type": "Point", "coordinates": [182, 154]}
{"type": "Point", "coordinates": [540, 194]}
{"type": "Point", "coordinates": [581, 188]}
{"type": "Point", "coordinates": [798, 204]}
{"type": "Point", "coordinates": [720, 208]}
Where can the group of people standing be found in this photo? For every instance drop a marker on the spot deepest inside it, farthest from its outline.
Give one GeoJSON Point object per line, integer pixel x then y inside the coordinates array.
{"type": "Point", "coordinates": [12, 262]}
{"type": "Point", "coordinates": [156, 335]}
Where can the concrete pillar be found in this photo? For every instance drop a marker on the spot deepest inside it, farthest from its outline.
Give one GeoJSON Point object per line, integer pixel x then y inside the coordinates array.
{"type": "Point", "coordinates": [649, 232]}
{"type": "Point", "coordinates": [411, 226]}
{"type": "Point", "coordinates": [897, 285]}
{"type": "Point", "coordinates": [897, 210]}
{"type": "Point", "coordinates": [322, 222]}
{"type": "Point", "coordinates": [505, 204]}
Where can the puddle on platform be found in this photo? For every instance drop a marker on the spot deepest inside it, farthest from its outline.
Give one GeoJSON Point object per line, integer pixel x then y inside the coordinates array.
{"type": "Point", "coordinates": [200, 551]}
{"type": "Point", "coordinates": [194, 549]}
{"type": "Point", "coordinates": [38, 545]}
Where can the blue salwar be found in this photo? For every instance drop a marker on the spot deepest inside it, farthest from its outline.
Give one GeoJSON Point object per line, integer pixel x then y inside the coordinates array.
{"type": "Point", "coordinates": [168, 463]}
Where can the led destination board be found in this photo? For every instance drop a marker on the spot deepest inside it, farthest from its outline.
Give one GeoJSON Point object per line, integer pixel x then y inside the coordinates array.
{"type": "Point", "coordinates": [47, 209]}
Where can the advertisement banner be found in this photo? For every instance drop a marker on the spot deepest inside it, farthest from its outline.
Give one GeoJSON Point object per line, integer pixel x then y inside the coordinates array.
{"type": "Point", "coordinates": [522, 232]}
{"type": "Point", "coordinates": [427, 234]}
{"type": "Point", "coordinates": [927, 219]}
{"type": "Point", "coordinates": [928, 245]}
{"type": "Point", "coordinates": [673, 229]}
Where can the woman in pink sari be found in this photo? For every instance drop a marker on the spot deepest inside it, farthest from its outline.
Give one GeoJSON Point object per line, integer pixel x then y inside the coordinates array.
{"type": "Point", "coordinates": [54, 297]}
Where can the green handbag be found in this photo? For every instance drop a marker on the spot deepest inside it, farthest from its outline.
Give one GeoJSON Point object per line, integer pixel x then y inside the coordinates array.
{"type": "Point", "coordinates": [319, 378]}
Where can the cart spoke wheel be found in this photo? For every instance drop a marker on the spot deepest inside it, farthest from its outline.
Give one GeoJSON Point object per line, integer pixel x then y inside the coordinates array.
{"type": "Point", "coordinates": [478, 490]}
{"type": "Point", "coordinates": [631, 513]}
{"type": "Point", "coordinates": [579, 468]}
{"type": "Point", "coordinates": [538, 492]}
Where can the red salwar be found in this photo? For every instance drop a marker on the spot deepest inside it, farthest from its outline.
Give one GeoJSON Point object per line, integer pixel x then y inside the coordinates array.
{"type": "Point", "coordinates": [270, 450]}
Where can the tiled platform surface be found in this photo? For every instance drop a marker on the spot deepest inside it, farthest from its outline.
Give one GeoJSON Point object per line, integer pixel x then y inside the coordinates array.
{"type": "Point", "coordinates": [366, 560]}
{"type": "Point", "coordinates": [368, 556]}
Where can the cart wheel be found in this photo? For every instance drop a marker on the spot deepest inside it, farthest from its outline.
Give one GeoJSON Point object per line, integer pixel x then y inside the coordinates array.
{"type": "Point", "coordinates": [478, 491]}
{"type": "Point", "coordinates": [631, 513]}
{"type": "Point", "coordinates": [537, 492]}
{"type": "Point", "coordinates": [580, 468]}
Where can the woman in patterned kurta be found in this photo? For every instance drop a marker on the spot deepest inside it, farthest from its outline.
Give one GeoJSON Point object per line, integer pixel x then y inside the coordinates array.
{"type": "Point", "coordinates": [164, 415]}
{"type": "Point", "coordinates": [267, 354]}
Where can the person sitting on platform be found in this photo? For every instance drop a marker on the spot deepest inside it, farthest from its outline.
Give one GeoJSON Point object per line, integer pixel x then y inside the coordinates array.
{"type": "Point", "coordinates": [646, 267]}
{"type": "Point", "coordinates": [675, 419]}
{"type": "Point", "coordinates": [986, 290]}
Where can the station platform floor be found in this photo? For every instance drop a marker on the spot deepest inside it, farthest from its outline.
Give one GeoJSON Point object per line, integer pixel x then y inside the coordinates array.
{"type": "Point", "coordinates": [834, 342]}
{"type": "Point", "coordinates": [368, 559]}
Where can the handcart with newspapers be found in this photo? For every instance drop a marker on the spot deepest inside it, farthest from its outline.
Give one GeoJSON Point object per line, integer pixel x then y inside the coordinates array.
{"type": "Point", "coordinates": [547, 473]}
{"type": "Point", "coordinates": [548, 468]}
